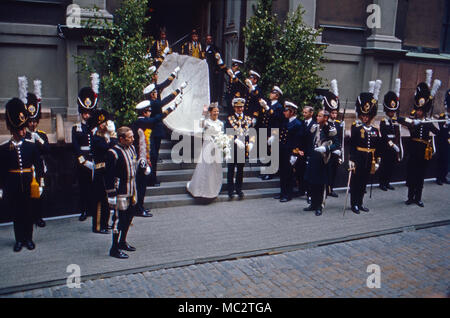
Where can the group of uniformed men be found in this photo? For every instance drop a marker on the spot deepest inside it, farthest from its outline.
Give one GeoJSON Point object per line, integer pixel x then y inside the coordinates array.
{"type": "Point", "coordinates": [113, 166]}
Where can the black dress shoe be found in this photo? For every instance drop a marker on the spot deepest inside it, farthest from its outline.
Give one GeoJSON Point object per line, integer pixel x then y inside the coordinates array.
{"type": "Point", "coordinates": [117, 254]}
{"type": "Point", "coordinates": [83, 216]}
{"type": "Point", "coordinates": [355, 209]}
{"type": "Point", "coordinates": [363, 208]}
{"type": "Point", "coordinates": [18, 246]}
{"type": "Point", "coordinates": [30, 245]}
{"type": "Point", "coordinates": [420, 203]}
{"type": "Point", "coordinates": [40, 223]}
{"type": "Point", "coordinates": [310, 208]}
{"type": "Point", "coordinates": [267, 177]}
{"type": "Point", "coordinates": [409, 201]}
{"type": "Point", "coordinates": [285, 199]}
{"type": "Point", "coordinates": [383, 187]}
{"type": "Point", "coordinates": [333, 194]}
{"type": "Point", "coordinates": [102, 231]}
{"type": "Point", "coordinates": [318, 212]}
{"type": "Point", "coordinates": [439, 182]}
{"type": "Point", "coordinates": [390, 187]}
{"type": "Point", "coordinates": [230, 195]}
{"type": "Point", "coordinates": [126, 247]}
{"type": "Point", "coordinates": [240, 194]}
{"type": "Point", "coordinates": [145, 214]}
{"type": "Point", "coordinates": [277, 196]}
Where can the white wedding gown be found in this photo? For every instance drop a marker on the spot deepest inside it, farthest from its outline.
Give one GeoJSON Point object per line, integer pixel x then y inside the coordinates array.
{"type": "Point", "coordinates": [206, 181]}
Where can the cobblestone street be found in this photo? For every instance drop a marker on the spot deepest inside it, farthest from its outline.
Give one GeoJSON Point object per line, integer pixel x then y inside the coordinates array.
{"type": "Point", "coordinates": [412, 264]}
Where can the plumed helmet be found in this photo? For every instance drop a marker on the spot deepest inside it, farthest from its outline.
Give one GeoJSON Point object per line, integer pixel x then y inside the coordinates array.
{"type": "Point", "coordinates": [98, 117]}
{"type": "Point", "coordinates": [16, 114]}
{"type": "Point", "coordinates": [422, 97]}
{"type": "Point", "coordinates": [367, 102]}
{"type": "Point", "coordinates": [88, 96]}
{"type": "Point", "coordinates": [330, 101]}
{"type": "Point", "coordinates": [33, 106]}
{"type": "Point", "coordinates": [390, 102]}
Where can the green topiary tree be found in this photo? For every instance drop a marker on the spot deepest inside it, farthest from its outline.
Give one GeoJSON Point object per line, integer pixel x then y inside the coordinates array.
{"type": "Point", "coordinates": [287, 55]}
{"type": "Point", "coordinates": [119, 50]}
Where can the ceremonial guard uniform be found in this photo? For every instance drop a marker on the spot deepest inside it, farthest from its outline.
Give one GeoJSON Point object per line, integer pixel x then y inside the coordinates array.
{"type": "Point", "coordinates": [39, 137]}
{"type": "Point", "coordinates": [151, 94]}
{"type": "Point", "coordinates": [391, 148]}
{"type": "Point", "coordinates": [323, 143]}
{"type": "Point", "coordinates": [420, 144]}
{"type": "Point", "coordinates": [103, 138]}
{"type": "Point", "coordinates": [142, 129]}
{"type": "Point", "coordinates": [271, 117]}
{"type": "Point", "coordinates": [364, 146]}
{"type": "Point", "coordinates": [121, 165]}
{"type": "Point", "coordinates": [442, 141]}
{"type": "Point", "coordinates": [20, 170]}
{"type": "Point", "coordinates": [331, 104]}
{"type": "Point", "coordinates": [291, 133]}
{"type": "Point", "coordinates": [160, 45]}
{"type": "Point", "coordinates": [240, 124]}
{"type": "Point", "coordinates": [81, 142]}
{"type": "Point", "coordinates": [193, 48]}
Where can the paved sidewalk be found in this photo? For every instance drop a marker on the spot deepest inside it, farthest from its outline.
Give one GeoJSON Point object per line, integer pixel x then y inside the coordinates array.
{"type": "Point", "coordinates": [196, 234]}
{"type": "Point", "coordinates": [411, 264]}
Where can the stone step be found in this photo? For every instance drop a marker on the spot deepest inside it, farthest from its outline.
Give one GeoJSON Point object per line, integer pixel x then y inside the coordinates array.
{"type": "Point", "coordinates": [186, 174]}
{"type": "Point", "coordinates": [164, 201]}
{"type": "Point", "coordinates": [179, 187]}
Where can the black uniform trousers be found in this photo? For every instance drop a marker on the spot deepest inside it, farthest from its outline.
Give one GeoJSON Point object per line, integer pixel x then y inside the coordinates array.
{"type": "Point", "coordinates": [416, 168]}
{"type": "Point", "coordinates": [317, 194]}
{"type": "Point", "coordinates": [388, 160]}
{"type": "Point", "coordinates": [300, 169]}
{"type": "Point", "coordinates": [123, 225]}
{"type": "Point", "coordinates": [286, 174]}
{"type": "Point", "coordinates": [99, 206]}
{"type": "Point", "coordinates": [155, 144]}
{"type": "Point", "coordinates": [141, 186]}
{"type": "Point", "coordinates": [19, 205]}
{"type": "Point", "coordinates": [442, 154]}
{"type": "Point", "coordinates": [360, 177]}
{"type": "Point", "coordinates": [231, 184]}
{"type": "Point", "coordinates": [85, 187]}
{"type": "Point", "coordinates": [332, 167]}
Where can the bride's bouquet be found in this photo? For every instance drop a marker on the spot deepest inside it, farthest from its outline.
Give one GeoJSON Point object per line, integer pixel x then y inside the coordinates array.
{"type": "Point", "coordinates": [223, 142]}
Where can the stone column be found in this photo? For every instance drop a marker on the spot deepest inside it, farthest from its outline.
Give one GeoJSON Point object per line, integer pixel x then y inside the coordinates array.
{"type": "Point", "coordinates": [384, 37]}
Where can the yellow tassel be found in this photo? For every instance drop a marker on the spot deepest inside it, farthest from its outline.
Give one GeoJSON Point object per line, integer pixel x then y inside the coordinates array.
{"type": "Point", "coordinates": [372, 168]}
{"type": "Point", "coordinates": [428, 152]}
{"type": "Point", "coordinates": [34, 194]}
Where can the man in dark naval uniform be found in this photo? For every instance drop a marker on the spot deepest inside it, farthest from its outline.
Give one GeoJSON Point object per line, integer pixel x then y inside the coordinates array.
{"type": "Point", "coordinates": [103, 138]}
{"type": "Point", "coordinates": [81, 143]}
{"type": "Point", "coordinates": [40, 138]}
{"type": "Point", "coordinates": [214, 70]}
{"type": "Point", "coordinates": [391, 148]}
{"type": "Point", "coordinates": [151, 93]}
{"type": "Point", "coordinates": [238, 124]}
{"type": "Point", "coordinates": [291, 133]}
{"type": "Point", "coordinates": [364, 146]}
{"type": "Point", "coordinates": [20, 168]}
{"type": "Point", "coordinates": [271, 117]}
{"type": "Point", "coordinates": [420, 148]}
{"type": "Point", "coordinates": [252, 107]}
{"type": "Point", "coordinates": [323, 143]}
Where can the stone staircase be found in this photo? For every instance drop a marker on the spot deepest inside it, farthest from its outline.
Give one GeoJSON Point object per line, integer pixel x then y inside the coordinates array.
{"type": "Point", "coordinates": [173, 178]}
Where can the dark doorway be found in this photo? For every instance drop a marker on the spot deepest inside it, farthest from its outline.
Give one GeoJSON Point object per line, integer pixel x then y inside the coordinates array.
{"type": "Point", "coordinates": [178, 17]}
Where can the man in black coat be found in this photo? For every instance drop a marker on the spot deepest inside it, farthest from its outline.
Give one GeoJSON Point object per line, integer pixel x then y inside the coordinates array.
{"type": "Point", "coordinates": [21, 174]}
{"type": "Point", "coordinates": [214, 71]}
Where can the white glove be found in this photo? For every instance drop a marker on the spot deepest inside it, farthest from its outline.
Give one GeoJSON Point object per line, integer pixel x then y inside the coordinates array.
{"type": "Point", "coordinates": [148, 170]}
{"type": "Point", "coordinates": [377, 165]}
{"type": "Point", "coordinates": [337, 152]}
{"type": "Point", "coordinates": [147, 56]}
{"type": "Point", "coordinates": [416, 122]}
{"type": "Point", "coordinates": [239, 143]}
{"type": "Point", "coordinates": [253, 121]}
{"type": "Point", "coordinates": [220, 62]}
{"type": "Point", "coordinates": [248, 82]}
{"type": "Point", "coordinates": [112, 201]}
{"type": "Point", "coordinates": [1, 194]}
{"type": "Point", "coordinates": [172, 107]}
{"type": "Point", "coordinates": [175, 72]}
{"type": "Point", "coordinates": [321, 149]}
{"type": "Point", "coordinates": [41, 189]}
{"type": "Point", "coordinates": [270, 140]}
{"type": "Point", "coordinates": [351, 165]}
{"type": "Point", "coordinates": [217, 56]}
{"type": "Point", "coordinates": [230, 73]}
{"type": "Point", "coordinates": [152, 69]}
{"type": "Point", "coordinates": [250, 147]}
{"type": "Point", "coordinates": [293, 160]}
{"type": "Point", "coordinates": [110, 127]}
{"type": "Point", "coordinates": [89, 164]}
{"type": "Point", "coordinates": [263, 104]}
{"type": "Point", "coordinates": [166, 50]}
{"type": "Point", "coordinates": [35, 137]}
{"type": "Point", "coordinates": [183, 85]}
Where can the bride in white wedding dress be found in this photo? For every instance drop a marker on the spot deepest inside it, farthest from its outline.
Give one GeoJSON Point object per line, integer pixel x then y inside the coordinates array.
{"type": "Point", "coordinates": [206, 181]}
